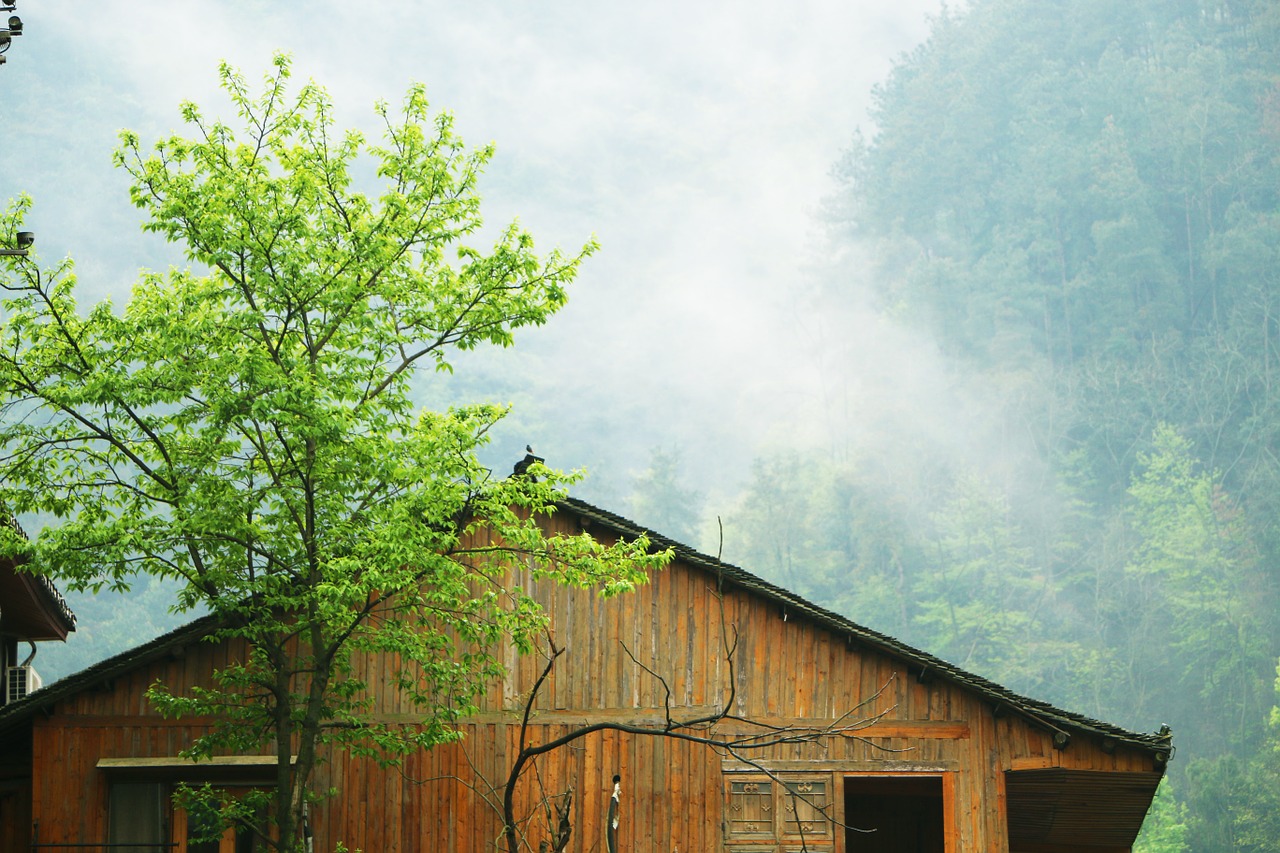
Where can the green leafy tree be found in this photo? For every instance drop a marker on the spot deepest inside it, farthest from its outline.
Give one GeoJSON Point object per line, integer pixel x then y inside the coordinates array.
{"type": "Point", "coordinates": [773, 528]}
{"type": "Point", "coordinates": [247, 429]}
{"type": "Point", "coordinates": [1196, 645]}
{"type": "Point", "coordinates": [986, 603]}
{"type": "Point", "coordinates": [833, 532]}
{"type": "Point", "coordinates": [1078, 203]}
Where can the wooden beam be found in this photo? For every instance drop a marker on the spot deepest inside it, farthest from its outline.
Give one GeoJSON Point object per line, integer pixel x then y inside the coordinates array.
{"type": "Point", "coordinates": [940, 729]}
{"type": "Point", "coordinates": [826, 765]}
{"type": "Point", "coordinates": [91, 721]}
{"type": "Point", "coordinates": [167, 761]}
{"type": "Point", "coordinates": [932, 729]}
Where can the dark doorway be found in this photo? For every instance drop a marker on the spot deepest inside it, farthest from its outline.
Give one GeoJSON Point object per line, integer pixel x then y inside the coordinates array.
{"type": "Point", "coordinates": [904, 812]}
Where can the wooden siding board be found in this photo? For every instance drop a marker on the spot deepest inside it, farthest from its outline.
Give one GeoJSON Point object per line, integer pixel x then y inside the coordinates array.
{"type": "Point", "coordinates": [782, 683]}
{"type": "Point", "coordinates": [588, 776]}
{"type": "Point", "coordinates": [597, 640]}
{"type": "Point", "coordinates": [800, 672]}
{"type": "Point", "coordinates": [561, 694]}
{"type": "Point", "coordinates": [631, 632]}
{"type": "Point", "coordinates": [678, 651]}
{"type": "Point", "coordinates": [612, 655]}
{"type": "Point", "coordinates": [697, 653]}
{"type": "Point", "coordinates": [825, 666]}
{"type": "Point", "coordinates": [755, 670]}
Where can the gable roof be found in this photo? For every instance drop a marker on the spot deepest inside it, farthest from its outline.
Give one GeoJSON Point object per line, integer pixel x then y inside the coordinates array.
{"type": "Point", "coordinates": [1063, 724]}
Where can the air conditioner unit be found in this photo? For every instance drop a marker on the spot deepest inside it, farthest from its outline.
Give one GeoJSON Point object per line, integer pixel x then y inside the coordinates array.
{"type": "Point", "coordinates": [19, 681]}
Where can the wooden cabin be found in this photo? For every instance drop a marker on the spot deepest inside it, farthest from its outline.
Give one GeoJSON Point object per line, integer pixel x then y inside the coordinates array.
{"type": "Point", "coordinates": [918, 755]}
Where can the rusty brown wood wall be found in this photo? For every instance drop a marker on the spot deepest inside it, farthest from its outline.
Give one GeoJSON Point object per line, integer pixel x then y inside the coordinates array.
{"type": "Point", "coordinates": [784, 669]}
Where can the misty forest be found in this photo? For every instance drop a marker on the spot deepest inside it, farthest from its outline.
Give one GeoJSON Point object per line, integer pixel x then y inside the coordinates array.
{"type": "Point", "coordinates": [1039, 324]}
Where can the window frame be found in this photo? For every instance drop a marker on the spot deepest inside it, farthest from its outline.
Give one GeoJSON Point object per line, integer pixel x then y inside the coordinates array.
{"type": "Point", "coordinates": [163, 775]}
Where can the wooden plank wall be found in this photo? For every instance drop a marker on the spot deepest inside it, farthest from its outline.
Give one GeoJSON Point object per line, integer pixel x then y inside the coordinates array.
{"type": "Point", "coordinates": [784, 670]}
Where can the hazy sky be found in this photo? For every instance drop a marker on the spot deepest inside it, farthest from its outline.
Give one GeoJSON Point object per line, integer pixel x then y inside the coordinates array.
{"type": "Point", "coordinates": [693, 139]}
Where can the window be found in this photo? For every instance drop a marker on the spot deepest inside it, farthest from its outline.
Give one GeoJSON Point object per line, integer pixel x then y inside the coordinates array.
{"type": "Point", "coordinates": [779, 814]}
{"type": "Point", "coordinates": [137, 817]}
{"type": "Point", "coordinates": [143, 819]}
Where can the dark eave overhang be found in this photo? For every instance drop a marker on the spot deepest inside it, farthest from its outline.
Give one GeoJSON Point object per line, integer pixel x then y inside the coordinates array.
{"type": "Point", "coordinates": [31, 608]}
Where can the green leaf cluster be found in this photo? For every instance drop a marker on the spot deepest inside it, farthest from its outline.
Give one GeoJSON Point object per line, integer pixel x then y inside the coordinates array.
{"type": "Point", "coordinates": [246, 426]}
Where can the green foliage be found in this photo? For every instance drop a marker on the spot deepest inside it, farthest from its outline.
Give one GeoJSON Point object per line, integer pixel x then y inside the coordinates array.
{"type": "Point", "coordinates": [1185, 525]}
{"type": "Point", "coordinates": [1191, 624]}
{"type": "Point", "coordinates": [1256, 817]}
{"type": "Point", "coordinates": [980, 604]}
{"type": "Point", "coordinates": [1165, 828]}
{"type": "Point", "coordinates": [772, 527]}
{"type": "Point", "coordinates": [805, 523]}
{"type": "Point", "coordinates": [247, 429]}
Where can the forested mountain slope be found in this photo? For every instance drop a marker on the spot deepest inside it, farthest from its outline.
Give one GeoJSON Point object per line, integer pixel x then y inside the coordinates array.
{"type": "Point", "coordinates": [1078, 203]}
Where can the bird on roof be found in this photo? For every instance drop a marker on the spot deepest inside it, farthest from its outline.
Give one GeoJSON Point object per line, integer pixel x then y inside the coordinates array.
{"type": "Point", "coordinates": [522, 467]}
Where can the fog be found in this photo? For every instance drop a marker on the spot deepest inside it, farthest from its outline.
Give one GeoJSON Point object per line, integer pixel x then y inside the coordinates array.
{"type": "Point", "coordinates": [696, 144]}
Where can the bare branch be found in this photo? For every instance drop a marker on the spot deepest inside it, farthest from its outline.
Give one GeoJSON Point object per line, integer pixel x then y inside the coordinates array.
{"type": "Point", "coordinates": [742, 746]}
